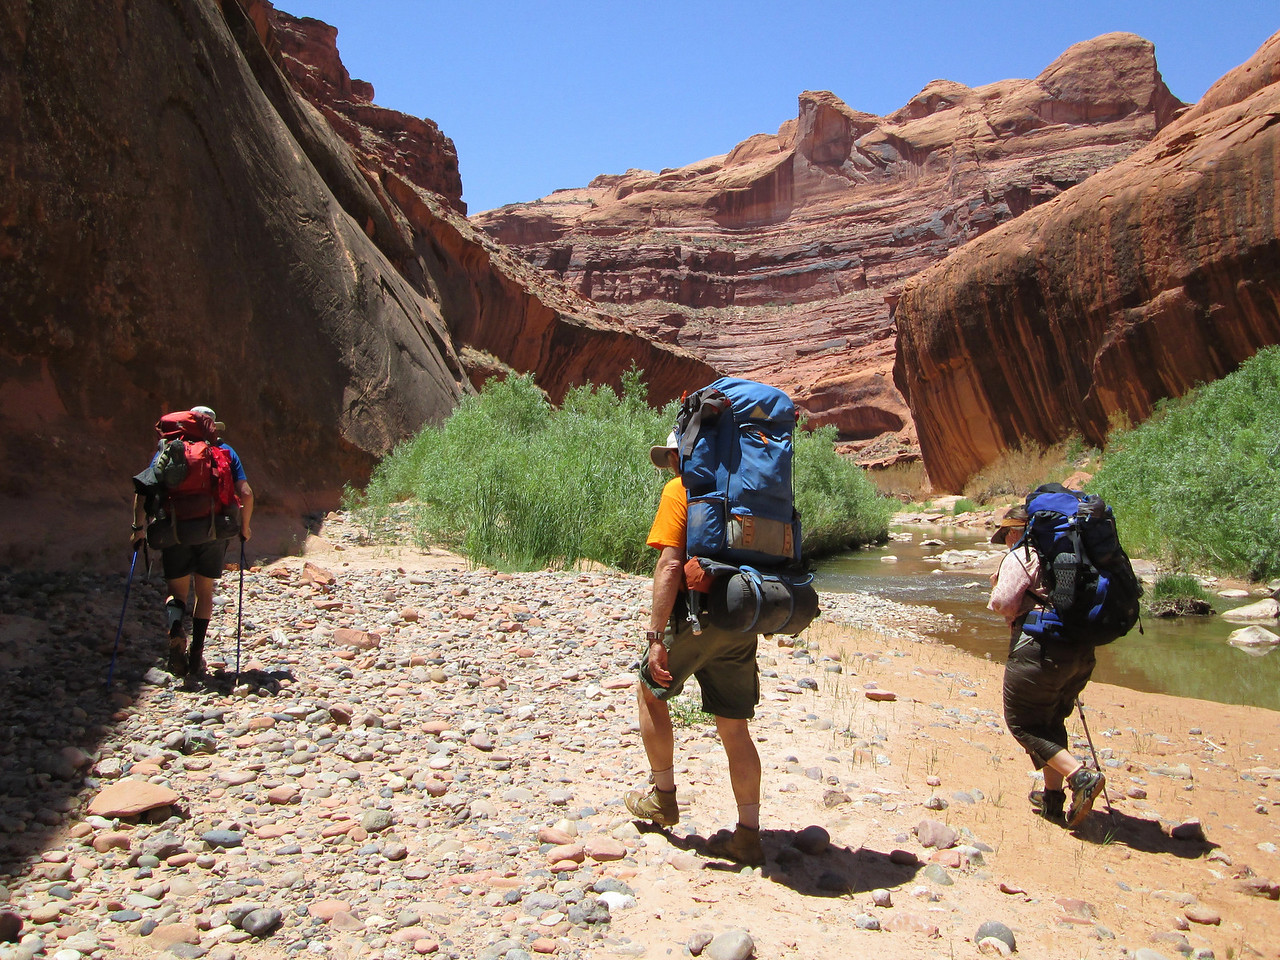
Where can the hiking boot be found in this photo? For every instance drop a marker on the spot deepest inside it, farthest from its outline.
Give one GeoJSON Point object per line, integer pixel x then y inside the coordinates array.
{"type": "Point", "coordinates": [175, 610]}
{"type": "Point", "coordinates": [178, 659]}
{"type": "Point", "coordinates": [1085, 786]}
{"type": "Point", "coordinates": [658, 806]}
{"type": "Point", "coordinates": [1048, 803]}
{"type": "Point", "coordinates": [740, 846]}
{"type": "Point", "coordinates": [195, 659]}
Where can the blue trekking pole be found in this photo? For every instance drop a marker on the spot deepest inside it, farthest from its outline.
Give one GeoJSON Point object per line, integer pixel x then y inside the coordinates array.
{"type": "Point", "coordinates": [120, 628]}
{"type": "Point", "coordinates": [239, 614]}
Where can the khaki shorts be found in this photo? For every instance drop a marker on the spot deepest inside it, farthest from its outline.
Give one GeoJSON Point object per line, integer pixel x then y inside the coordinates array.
{"type": "Point", "coordinates": [724, 664]}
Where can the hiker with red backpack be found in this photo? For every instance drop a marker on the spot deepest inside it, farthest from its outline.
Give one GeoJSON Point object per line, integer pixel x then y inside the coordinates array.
{"type": "Point", "coordinates": [192, 499]}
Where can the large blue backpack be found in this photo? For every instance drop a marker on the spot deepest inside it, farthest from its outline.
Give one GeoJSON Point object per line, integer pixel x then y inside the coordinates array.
{"type": "Point", "coordinates": [736, 451]}
{"type": "Point", "coordinates": [1091, 591]}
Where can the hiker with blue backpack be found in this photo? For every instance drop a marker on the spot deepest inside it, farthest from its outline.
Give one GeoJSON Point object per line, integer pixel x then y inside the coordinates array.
{"type": "Point", "coordinates": [1064, 588]}
{"type": "Point", "coordinates": [190, 501]}
{"type": "Point", "coordinates": [728, 537]}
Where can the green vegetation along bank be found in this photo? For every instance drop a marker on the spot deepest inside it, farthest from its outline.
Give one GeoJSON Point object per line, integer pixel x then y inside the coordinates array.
{"type": "Point", "coordinates": [1195, 486]}
{"type": "Point", "coordinates": [515, 483]}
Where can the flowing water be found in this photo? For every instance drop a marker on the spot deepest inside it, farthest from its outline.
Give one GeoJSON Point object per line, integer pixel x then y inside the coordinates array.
{"type": "Point", "coordinates": [1186, 657]}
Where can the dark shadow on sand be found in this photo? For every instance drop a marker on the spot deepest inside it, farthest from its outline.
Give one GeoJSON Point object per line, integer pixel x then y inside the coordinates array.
{"type": "Point", "coordinates": [1137, 833]}
{"type": "Point", "coordinates": [834, 872]}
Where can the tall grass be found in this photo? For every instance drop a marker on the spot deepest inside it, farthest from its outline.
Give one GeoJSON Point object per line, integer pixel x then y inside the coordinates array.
{"type": "Point", "coordinates": [839, 506]}
{"type": "Point", "coordinates": [1196, 485]}
{"type": "Point", "coordinates": [514, 483]}
{"type": "Point", "coordinates": [1025, 467]}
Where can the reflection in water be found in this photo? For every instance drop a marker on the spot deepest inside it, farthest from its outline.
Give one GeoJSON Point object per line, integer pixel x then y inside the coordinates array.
{"type": "Point", "coordinates": [1186, 657]}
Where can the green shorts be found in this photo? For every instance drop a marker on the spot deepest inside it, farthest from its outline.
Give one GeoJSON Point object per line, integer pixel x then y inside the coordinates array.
{"type": "Point", "coordinates": [724, 664]}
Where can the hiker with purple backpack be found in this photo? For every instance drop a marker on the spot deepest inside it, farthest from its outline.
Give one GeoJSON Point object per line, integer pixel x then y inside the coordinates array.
{"type": "Point", "coordinates": [1064, 588]}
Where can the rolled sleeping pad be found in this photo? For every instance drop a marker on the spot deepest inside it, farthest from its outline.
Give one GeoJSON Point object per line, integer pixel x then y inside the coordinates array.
{"type": "Point", "coordinates": [744, 603]}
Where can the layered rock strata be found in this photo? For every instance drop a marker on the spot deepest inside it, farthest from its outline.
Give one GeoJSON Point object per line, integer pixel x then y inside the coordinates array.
{"type": "Point", "coordinates": [783, 258]}
{"type": "Point", "coordinates": [178, 225]}
{"type": "Point", "coordinates": [1161, 273]}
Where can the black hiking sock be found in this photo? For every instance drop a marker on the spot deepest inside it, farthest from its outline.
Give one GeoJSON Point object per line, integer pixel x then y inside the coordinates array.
{"type": "Point", "coordinates": [195, 656]}
{"type": "Point", "coordinates": [175, 610]}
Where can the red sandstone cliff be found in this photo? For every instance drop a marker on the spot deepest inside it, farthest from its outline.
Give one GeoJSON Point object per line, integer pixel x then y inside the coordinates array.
{"type": "Point", "coordinates": [1162, 272]}
{"type": "Point", "coordinates": [179, 225]}
{"type": "Point", "coordinates": [781, 259]}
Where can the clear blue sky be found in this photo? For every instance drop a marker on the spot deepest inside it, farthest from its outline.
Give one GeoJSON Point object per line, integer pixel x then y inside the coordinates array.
{"type": "Point", "coordinates": [542, 95]}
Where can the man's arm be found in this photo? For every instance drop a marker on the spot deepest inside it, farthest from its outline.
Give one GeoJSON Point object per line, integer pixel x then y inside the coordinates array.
{"type": "Point", "coordinates": [139, 521]}
{"type": "Point", "coordinates": [1009, 590]}
{"type": "Point", "coordinates": [668, 579]}
{"type": "Point", "coordinates": [245, 493]}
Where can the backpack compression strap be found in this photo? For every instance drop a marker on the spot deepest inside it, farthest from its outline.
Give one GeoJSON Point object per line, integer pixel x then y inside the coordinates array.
{"type": "Point", "coordinates": [706, 403]}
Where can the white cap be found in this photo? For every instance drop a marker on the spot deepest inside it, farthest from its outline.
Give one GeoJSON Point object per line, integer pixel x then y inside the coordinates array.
{"type": "Point", "coordinates": [659, 456]}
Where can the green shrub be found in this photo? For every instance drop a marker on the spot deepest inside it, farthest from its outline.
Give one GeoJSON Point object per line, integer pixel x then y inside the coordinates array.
{"type": "Point", "coordinates": [514, 483]}
{"type": "Point", "coordinates": [1196, 484]}
{"type": "Point", "coordinates": [1178, 595]}
{"type": "Point", "coordinates": [839, 506]}
{"type": "Point", "coordinates": [963, 505]}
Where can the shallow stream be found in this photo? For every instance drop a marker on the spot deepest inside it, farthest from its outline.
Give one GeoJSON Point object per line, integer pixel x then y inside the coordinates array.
{"type": "Point", "coordinates": [1186, 657]}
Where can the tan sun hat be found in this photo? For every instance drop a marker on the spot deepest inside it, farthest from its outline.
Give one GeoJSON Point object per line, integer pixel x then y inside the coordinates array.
{"type": "Point", "coordinates": [659, 456]}
{"type": "Point", "coordinates": [218, 426]}
{"type": "Point", "coordinates": [1014, 520]}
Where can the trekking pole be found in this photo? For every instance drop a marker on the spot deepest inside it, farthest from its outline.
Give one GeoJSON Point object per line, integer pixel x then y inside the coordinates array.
{"type": "Point", "coordinates": [1096, 765]}
{"type": "Point", "coordinates": [120, 627]}
{"type": "Point", "coordinates": [239, 614]}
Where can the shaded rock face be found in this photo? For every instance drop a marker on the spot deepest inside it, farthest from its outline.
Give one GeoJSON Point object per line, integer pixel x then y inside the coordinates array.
{"type": "Point", "coordinates": [782, 259]}
{"type": "Point", "coordinates": [179, 226]}
{"type": "Point", "coordinates": [1160, 273]}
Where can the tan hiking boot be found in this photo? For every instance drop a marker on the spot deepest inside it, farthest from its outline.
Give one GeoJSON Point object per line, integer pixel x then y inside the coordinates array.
{"type": "Point", "coordinates": [659, 806]}
{"type": "Point", "coordinates": [1085, 785]}
{"type": "Point", "coordinates": [741, 846]}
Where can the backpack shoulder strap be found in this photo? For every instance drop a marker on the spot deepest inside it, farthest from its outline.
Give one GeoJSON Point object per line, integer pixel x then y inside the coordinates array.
{"type": "Point", "coordinates": [705, 404]}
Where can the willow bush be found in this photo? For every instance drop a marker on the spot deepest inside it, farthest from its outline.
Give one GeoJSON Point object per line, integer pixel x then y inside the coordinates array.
{"type": "Point", "coordinates": [1196, 484]}
{"type": "Point", "coordinates": [515, 483]}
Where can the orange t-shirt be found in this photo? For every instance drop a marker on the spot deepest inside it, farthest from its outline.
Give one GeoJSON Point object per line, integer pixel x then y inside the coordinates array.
{"type": "Point", "coordinates": [669, 524]}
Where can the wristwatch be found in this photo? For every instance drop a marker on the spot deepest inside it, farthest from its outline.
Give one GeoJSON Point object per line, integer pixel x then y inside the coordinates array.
{"type": "Point", "coordinates": [134, 527]}
{"type": "Point", "coordinates": [653, 636]}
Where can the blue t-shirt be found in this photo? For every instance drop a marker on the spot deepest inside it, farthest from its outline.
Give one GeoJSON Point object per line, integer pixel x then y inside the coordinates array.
{"type": "Point", "coordinates": [237, 468]}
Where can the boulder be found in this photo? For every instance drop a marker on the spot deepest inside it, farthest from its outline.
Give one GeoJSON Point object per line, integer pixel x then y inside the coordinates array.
{"type": "Point", "coordinates": [1263, 610]}
{"type": "Point", "coordinates": [1177, 286]}
{"type": "Point", "coordinates": [1253, 638]}
{"type": "Point", "coordinates": [129, 798]}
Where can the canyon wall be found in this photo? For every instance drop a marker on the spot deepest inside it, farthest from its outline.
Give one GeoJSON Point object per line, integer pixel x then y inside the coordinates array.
{"type": "Point", "coordinates": [782, 259]}
{"type": "Point", "coordinates": [178, 225]}
{"type": "Point", "coordinates": [1136, 285]}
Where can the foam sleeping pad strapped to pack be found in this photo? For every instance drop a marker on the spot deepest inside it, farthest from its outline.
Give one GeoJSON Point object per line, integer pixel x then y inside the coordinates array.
{"type": "Point", "coordinates": [753, 602]}
{"type": "Point", "coordinates": [736, 453]}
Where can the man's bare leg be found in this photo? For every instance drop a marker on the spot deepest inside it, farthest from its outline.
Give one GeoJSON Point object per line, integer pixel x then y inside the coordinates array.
{"type": "Point", "coordinates": [659, 804]}
{"type": "Point", "coordinates": [200, 618]}
{"type": "Point", "coordinates": [744, 768]}
{"type": "Point", "coordinates": [742, 845]}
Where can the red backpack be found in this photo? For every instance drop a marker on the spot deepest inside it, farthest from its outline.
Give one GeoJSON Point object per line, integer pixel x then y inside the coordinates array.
{"type": "Point", "coordinates": [197, 496]}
